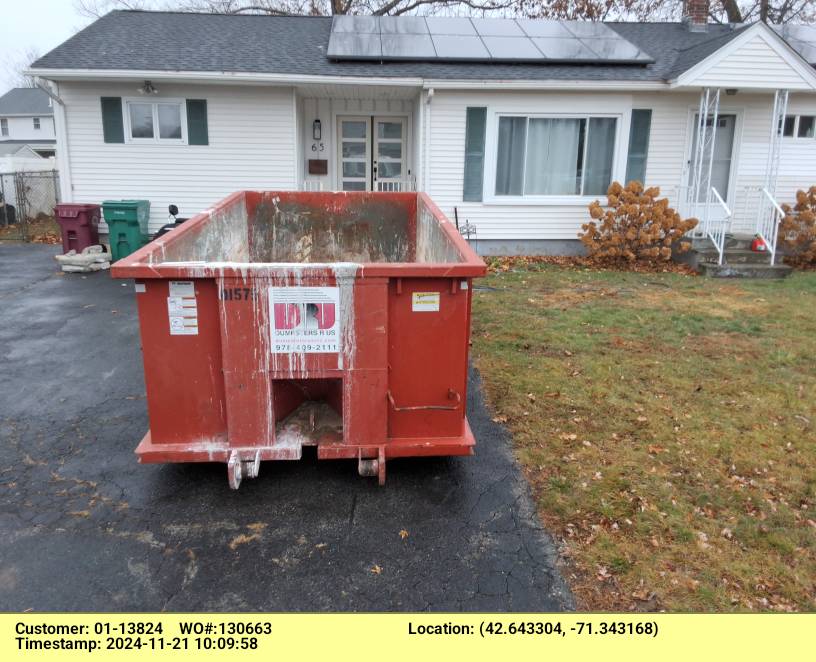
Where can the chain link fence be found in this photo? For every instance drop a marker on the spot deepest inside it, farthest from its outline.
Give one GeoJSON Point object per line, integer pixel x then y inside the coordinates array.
{"type": "Point", "coordinates": [27, 201]}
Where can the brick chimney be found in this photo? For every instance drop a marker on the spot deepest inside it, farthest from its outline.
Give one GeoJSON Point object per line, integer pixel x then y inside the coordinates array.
{"type": "Point", "coordinates": [695, 14]}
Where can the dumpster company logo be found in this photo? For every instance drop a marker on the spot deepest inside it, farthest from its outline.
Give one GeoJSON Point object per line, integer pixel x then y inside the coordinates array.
{"type": "Point", "coordinates": [305, 320]}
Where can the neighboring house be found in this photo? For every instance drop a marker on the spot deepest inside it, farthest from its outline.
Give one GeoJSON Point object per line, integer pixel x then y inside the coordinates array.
{"type": "Point", "coordinates": [515, 124]}
{"type": "Point", "coordinates": [27, 119]}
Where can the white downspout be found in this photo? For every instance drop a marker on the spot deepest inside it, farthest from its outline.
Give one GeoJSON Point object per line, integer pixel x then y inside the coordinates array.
{"type": "Point", "coordinates": [426, 150]}
{"type": "Point", "coordinates": [51, 88]}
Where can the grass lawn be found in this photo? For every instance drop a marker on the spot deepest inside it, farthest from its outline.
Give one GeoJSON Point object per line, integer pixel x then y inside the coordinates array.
{"type": "Point", "coordinates": [667, 425]}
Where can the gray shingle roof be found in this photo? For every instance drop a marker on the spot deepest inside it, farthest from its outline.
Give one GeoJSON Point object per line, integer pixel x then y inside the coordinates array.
{"type": "Point", "coordinates": [170, 41]}
{"type": "Point", "coordinates": [25, 101]}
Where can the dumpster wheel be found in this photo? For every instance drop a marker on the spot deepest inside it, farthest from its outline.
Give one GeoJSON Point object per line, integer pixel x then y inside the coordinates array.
{"type": "Point", "coordinates": [374, 466]}
{"type": "Point", "coordinates": [239, 468]}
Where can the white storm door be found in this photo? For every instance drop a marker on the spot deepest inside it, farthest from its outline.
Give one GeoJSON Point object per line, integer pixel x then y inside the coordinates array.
{"type": "Point", "coordinates": [354, 153]}
{"type": "Point", "coordinates": [389, 159]}
{"type": "Point", "coordinates": [721, 165]}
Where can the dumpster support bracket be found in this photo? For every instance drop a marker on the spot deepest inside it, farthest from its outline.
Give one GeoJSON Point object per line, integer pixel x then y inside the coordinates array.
{"type": "Point", "coordinates": [374, 466]}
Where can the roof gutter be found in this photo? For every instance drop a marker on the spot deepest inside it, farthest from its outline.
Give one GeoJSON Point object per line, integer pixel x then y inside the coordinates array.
{"type": "Point", "coordinates": [215, 77]}
{"type": "Point", "coordinates": [229, 77]}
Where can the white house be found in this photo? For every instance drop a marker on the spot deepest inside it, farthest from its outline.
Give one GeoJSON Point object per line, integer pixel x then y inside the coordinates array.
{"type": "Point", "coordinates": [512, 125]}
{"type": "Point", "coordinates": [27, 120]}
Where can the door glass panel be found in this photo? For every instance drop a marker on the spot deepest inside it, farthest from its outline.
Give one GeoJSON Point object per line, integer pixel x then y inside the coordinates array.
{"type": "Point", "coordinates": [391, 130]}
{"type": "Point", "coordinates": [354, 169]}
{"type": "Point", "coordinates": [723, 151]}
{"type": "Point", "coordinates": [389, 150]}
{"type": "Point", "coordinates": [354, 186]}
{"type": "Point", "coordinates": [354, 149]}
{"type": "Point", "coordinates": [389, 170]}
{"type": "Point", "coordinates": [354, 129]}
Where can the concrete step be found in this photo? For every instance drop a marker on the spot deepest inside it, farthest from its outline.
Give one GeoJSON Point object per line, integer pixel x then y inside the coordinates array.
{"type": "Point", "coordinates": [745, 270]}
{"type": "Point", "coordinates": [733, 256]}
{"type": "Point", "coordinates": [737, 242]}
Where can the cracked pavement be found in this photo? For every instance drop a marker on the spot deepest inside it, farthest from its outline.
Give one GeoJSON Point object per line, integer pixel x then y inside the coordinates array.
{"type": "Point", "coordinates": [84, 527]}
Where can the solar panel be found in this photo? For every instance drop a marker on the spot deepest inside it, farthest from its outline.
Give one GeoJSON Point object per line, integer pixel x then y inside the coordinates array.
{"type": "Point", "coordinates": [565, 50]}
{"type": "Point", "coordinates": [450, 47]}
{"type": "Point", "coordinates": [510, 48]}
{"type": "Point", "coordinates": [403, 25]}
{"type": "Point", "coordinates": [407, 46]}
{"type": "Point", "coordinates": [459, 39]}
{"type": "Point", "coordinates": [497, 27]}
{"type": "Point", "coordinates": [450, 25]}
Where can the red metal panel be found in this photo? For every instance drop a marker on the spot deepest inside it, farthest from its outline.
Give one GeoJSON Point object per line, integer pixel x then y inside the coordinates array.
{"type": "Point", "coordinates": [185, 386]}
{"type": "Point", "coordinates": [427, 357]}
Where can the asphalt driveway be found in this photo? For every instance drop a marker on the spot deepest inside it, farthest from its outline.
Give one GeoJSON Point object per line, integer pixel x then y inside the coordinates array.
{"type": "Point", "coordinates": [84, 527]}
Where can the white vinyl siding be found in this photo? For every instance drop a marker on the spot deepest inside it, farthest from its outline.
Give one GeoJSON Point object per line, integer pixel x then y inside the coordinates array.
{"type": "Point", "coordinates": [669, 147]}
{"type": "Point", "coordinates": [251, 146]}
{"type": "Point", "coordinates": [755, 64]}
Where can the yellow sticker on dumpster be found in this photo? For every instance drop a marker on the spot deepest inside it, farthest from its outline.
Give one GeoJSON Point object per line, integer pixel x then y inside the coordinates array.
{"type": "Point", "coordinates": [425, 302]}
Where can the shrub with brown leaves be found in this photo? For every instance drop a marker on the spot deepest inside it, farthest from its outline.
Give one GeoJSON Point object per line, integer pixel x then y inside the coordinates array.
{"type": "Point", "coordinates": [634, 225]}
{"type": "Point", "coordinates": [798, 229]}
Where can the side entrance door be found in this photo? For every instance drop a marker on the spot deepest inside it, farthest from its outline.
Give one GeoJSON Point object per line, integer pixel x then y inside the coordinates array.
{"type": "Point", "coordinates": [721, 171]}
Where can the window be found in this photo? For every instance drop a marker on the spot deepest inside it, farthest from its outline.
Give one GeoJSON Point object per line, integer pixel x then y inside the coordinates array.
{"type": "Point", "coordinates": [789, 126]}
{"type": "Point", "coordinates": [36, 123]}
{"type": "Point", "coordinates": [807, 126]}
{"type": "Point", "coordinates": [639, 131]}
{"type": "Point", "coordinates": [554, 155]}
{"type": "Point", "coordinates": [4, 127]}
{"type": "Point", "coordinates": [159, 121]}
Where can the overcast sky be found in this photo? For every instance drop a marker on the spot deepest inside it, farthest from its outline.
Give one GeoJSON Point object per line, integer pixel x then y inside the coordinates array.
{"type": "Point", "coordinates": [38, 24]}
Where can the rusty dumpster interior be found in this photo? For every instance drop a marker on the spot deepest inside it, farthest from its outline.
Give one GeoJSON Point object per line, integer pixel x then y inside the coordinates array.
{"type": "Point", "coordinates": [321, 227]}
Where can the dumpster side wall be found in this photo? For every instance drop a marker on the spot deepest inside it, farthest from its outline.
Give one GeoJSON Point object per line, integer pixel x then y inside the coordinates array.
{"type": "Point", "coordinates": [251, 135]}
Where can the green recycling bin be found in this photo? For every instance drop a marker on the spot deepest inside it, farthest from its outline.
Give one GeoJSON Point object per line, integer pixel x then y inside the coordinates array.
{"type": "Point", "coordinates": [127, 225]}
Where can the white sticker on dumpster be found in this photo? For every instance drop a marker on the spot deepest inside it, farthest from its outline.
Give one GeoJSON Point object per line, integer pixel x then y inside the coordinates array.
{"type": "Point", "coordinates": [305, 320]}
{"type": "Point", "coordinates": [182, 311]}
{"type": "Point", "coordinates": [425, 302]}
{"type": "Point", "coordinates": [182, 288]}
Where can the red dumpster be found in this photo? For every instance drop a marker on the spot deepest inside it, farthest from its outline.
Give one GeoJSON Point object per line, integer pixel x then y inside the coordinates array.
{"type": "Point", "coordinates": [79, 224]}
{"type": "Point", "coordinates": [278, 320]}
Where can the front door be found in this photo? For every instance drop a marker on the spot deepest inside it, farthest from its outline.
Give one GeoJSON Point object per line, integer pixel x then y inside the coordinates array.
{"type": "Point", "coordinates": [722, 165]}
{"type": "Point", "coordinates": [371, 153]}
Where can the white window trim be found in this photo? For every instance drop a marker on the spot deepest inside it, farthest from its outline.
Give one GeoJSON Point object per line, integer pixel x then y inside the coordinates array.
{"type": "Point", "coordinates": [489, 196]}
{"type": "Point", "coordinates": [155, 140]}
{"type": "Point", "coordinates": [796, 118]}
{"type": "Point", "coordinates": [37, 123]}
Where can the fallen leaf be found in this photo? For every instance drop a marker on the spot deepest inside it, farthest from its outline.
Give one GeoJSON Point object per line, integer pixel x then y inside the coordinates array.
{"type": "Point", "coordinates": [403, 534]}
{"type": "Point", "coordinates": [500, 419]}
{"type": "Point", "coordinates": [376, 570]}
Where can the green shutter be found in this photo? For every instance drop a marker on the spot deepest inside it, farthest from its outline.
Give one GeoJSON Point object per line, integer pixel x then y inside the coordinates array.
{"type": "Point", "coordinates": [639, 131]}
{"type": "Point", "coordinates": [475, 123]}
{"type": "Point", "coordinates": [197, 122]}
{"type": "Point", "coordinates": [113, 130]}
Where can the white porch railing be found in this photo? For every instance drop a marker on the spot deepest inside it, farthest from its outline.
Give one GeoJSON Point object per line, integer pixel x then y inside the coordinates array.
{"type": "Point", "coordinates": [769, 216]}
{"type": "Point", "coordinates": [312, 185]}
{"type": "Point", "coordinates": [397, 185]}
{"type": "Point", "coordinates": [388, 186]}
{"type": "Point", "coordinates": [716, 229]}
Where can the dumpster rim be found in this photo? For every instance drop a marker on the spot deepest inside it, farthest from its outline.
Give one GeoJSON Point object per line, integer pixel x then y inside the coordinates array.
{"type": "Point", "coordinates": [133, 266]}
